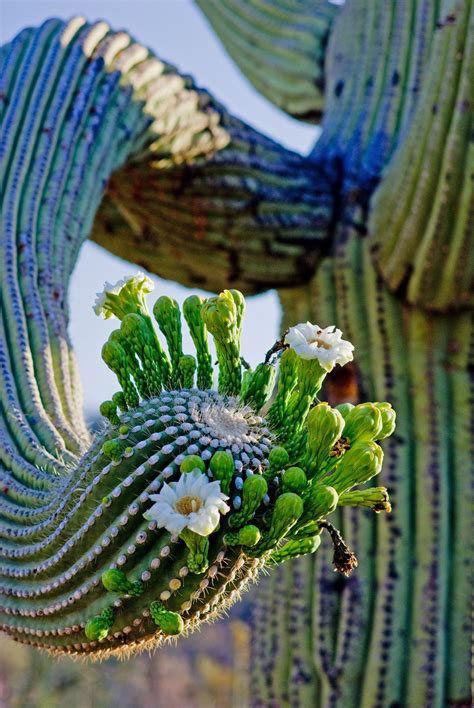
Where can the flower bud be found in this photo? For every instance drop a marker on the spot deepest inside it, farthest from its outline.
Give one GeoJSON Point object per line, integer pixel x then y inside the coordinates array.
{"type": "Point", "coordinates": [295, 548]}
{"type": "Point", "coordinates": [388, 419]}
{"type": "Point", "coordinates": [112, 449]}
{"type": "Point", "coordinates": [222, 468]}
{"type": "Point", "coordinates": [187, 369]}
{"type": "Point", "coordinates": [253, 491]}
{"type": "Point", "coordinates": [109, 410]}
{"type": "Point", "coordinates": [294, 480]}
{"type": "Point", "coordinates": [325, 426]}
{"type": "Point", "coordinates": [287, 510]}
{"type": "Point", "coordinates": [375, 498]}
{"type": "Point", "coordinates": [320, 500]}
{"type": "Point", "coordinates": [344, 409]}
{"type": "Point", "coordinates": [362, 462]}
{"type": "Point", "coordinates": [115, 580]}
{"type": "Point", "coordinates": [246, 536]}
{"type": "Point", "coordinates": [98, 627]}
{"type": "Point", "coordinates": [220, 316]}
{"type": "Point", "coordinates": [191, 463]}
{"type": "Point", "coordinates": [364, 422]}
{"type": "Point", "coordinates": [278, 458]}
{"type": "Point", "coordinates": [170, 623]}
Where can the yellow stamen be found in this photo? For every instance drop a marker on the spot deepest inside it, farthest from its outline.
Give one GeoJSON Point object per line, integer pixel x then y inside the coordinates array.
{"type": "Point", "coordinates": [188, 504]}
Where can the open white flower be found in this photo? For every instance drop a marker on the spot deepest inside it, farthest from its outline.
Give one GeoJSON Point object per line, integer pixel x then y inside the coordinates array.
{"type": "Point", "coordinates": [326, 345]}
{"type": "Point", "coordinates": [193, 502]}
{"type": "Point", "coordinates": [127, 295]}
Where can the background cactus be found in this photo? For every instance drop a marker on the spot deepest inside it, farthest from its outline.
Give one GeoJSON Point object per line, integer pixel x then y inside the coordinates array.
{"type": "Point", "coordinates": [393, 271]}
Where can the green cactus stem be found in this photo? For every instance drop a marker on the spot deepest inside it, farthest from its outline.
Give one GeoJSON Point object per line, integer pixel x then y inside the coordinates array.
{"type": "Point", "coordinates": [371, 231]}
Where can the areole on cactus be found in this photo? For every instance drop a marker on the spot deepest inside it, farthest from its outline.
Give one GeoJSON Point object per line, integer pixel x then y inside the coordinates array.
{"type": "Point", "coordinates": [189, 492]}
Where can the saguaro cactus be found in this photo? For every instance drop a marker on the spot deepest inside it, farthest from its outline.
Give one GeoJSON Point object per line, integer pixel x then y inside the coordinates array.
{"type": "Point", "coordinates": [371, 231]}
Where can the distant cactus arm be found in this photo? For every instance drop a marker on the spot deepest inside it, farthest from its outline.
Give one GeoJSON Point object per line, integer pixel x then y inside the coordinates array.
{"type": "Point", "coordinates": [279, 46]}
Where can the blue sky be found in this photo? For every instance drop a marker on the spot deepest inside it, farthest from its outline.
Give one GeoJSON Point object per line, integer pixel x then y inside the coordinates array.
{"type": "Point", "coordinates": [177, 32]}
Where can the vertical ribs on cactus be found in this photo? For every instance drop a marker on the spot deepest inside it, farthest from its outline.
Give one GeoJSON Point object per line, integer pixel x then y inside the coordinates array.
{"type": "Point", "coordinates": [191, 491]}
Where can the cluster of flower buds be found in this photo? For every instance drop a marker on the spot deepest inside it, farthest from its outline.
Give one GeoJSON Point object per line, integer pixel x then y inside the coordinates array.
{"type": "Point", "coordinates": [221, 489]}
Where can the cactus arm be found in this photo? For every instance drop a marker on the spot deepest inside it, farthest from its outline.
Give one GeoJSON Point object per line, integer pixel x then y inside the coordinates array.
{"type": "Point", "coordinates": [421, 605]}
{"type": "Point", "coordinates": [368, 109]}
{"type": "Point", "coordinates": [59, 171]}
{"type": "Point", "coordinates": [279, 47]}
{"type": "Point", "coordinates": [226, 215]}
{"type": "Point", "coordinates": [427, 254]}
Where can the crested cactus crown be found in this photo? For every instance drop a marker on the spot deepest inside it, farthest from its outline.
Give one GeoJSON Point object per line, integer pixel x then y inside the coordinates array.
{"type": "Point", "coordinates": [190, 491]}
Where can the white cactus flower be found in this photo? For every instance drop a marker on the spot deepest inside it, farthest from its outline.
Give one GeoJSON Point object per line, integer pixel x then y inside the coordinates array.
{"type": "Point", "coordinates": [192, 502]}
{"type": "Point", "coordinates": [324, 344]}
{"type": "Point", "coordinates": [126, 295]}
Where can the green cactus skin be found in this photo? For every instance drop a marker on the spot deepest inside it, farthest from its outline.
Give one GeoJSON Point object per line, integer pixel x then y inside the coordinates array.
{"type": "Point", "coordinates": [397, 107]}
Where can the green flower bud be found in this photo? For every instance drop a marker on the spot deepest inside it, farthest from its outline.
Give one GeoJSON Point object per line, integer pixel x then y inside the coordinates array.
{"type": "Point", "coordinates": [116, 359]}
{"type": "Point", "coordinates": [222, 468]}
{"type": "Point", "coordinates": [344, 409]}
{"type": "Point", "coordinates": [287, 380]}
{"type": "Point", "coordinates": [295, 548]}
{"type": "Point", "coordinates": [294, 480]}
{"type": "Point", "coordinates": [325, 426]}
{"type": "Point", "coordinates": [319, 501]}
{"type": "Point", "coordinates": [155, 365]}
{"type": "Point", "coordinates": [192, 462]}
{"type": "Point", "coordinates": [119, 399]}
{"type": "Point", "coordinates": [375, 498]}
{"type": "Point", "coordinates": [246, 536]}
{"type": "Point", "coordinates": [167, 314]}
{"type": "Point", "coordinates": [277, 459]}
{"type": "Point", "coordinates": [109, 410]}
{"type": "Point", "coordinates": [126, 296]}
{"type": "Point", "coordinates": [362, 462]}
{"type": "Point", "coordinates": [288, 509]}
{"type": "Point", "coordinates": [170, 623]}
{"type": "Point", "coordinates": [98, 627]}
{"type": "Point", "coordinates": [253, 491]}
{"type": "Point", "coordinates": [112, 449]}
{"type": "Point", "coordinates": [239, 302]}
{"type": "Point", "coordinates": [115, 580]}
{"type": "Point", "coordinates": [388, 420]}
{"type": "Point", "coordinates": [220, 316]}
{"type": "Point", "coordinates": [364, 422]}
{"type": "Point", "coordinates": [198, 330]}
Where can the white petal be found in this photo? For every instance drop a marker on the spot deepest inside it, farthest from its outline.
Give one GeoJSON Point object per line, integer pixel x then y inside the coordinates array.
{"type": "Point", "coordinates": [204, 524]}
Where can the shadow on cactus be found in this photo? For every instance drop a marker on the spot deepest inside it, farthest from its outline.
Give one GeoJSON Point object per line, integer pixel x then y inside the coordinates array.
{"type": "Point", "coordinates": [189, 492]}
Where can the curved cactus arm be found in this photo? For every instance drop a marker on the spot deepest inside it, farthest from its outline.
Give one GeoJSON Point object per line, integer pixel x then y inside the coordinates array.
{"type": "Point", "coordinates": [279, 46]}
{"type": "Point", "coordinates": [249, 214]}
{"type": "Point", "coordinates": [421, 220]}
{"type": "Point", "coordinates": [96, 98]}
